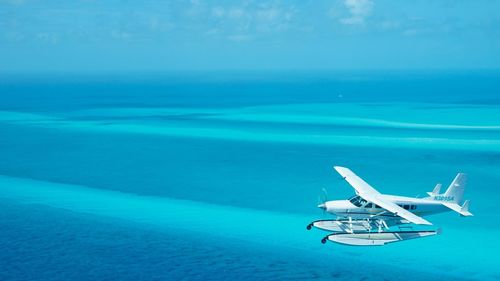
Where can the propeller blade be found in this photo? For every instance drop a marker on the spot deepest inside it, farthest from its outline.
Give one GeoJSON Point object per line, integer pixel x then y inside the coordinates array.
{"type": "Point", "coordinates": [322, 198]}
{"type": "Point", "coordinates": [324, 194]}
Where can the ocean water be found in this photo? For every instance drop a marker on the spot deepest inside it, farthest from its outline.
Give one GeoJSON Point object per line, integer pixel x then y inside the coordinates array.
{"type": "Point", "coordinates": [215, 176]}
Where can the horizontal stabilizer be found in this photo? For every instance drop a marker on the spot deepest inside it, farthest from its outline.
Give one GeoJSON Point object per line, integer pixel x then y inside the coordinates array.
{"type": "Point", "coordinates": [462, 210]}
{"type": "Point", "coordinates": [465, 209]}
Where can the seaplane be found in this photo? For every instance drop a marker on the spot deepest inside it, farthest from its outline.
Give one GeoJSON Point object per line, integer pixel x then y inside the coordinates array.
{"type": "Point", "coordinates": [371, 218]}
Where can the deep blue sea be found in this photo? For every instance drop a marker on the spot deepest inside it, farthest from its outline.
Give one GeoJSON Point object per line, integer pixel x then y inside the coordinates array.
{"type": "Point", "coordinates": [214, 176]}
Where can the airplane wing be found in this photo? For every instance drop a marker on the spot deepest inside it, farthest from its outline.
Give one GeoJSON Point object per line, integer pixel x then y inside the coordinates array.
{"type": "Point", "coordinates": [370, 194]}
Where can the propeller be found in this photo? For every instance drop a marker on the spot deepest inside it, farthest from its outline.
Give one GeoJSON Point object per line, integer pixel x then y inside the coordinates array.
{"type": "Point", "coordinates": [322, 199]}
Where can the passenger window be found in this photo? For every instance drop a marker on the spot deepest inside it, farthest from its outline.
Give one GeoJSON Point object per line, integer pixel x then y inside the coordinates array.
{"type": "Point", "coordinates": [369, 205]}
{"type": "Point", "coordinates": [406, 207]}
{"type": "Point", "coordinates": [377, 206]}
{"type": "Point", "coordinates": [413, 207]}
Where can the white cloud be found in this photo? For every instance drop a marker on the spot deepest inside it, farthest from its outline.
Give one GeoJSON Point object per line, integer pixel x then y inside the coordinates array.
{"type": "Point", "coordinates": [274, 19]}
{"type": "Point", "coordinates": [13, 36]}
{"type": "Point", "coordinates": [212, 32]}
{"type": "Point", "coordinates": [415, 31]}
{"type": "Point", "coordinates": [239, 37]}
{"type": "Point", "coordinates": [268, 14]}
{"type": "Point", "coordinates": [249, 20]}
{"type": "Point", "coordinates": [118, 34]}
{"type": "Point", "coordinates": [158, 24]}
{"type": "Point", "coordinates": [410, 32]}
{"type": "Point", "coordinates": [48, 37]}
{"type": "Point", "coordinates": [358, 10]}
{"type": "Point", "coordinates": [389, 24]}
{"type": "Point", "coordinates": [236, 13]}
{"type": "Point", "coordinates": [218, 12]}
{"type": "Point", "coordinates": [12, 2]}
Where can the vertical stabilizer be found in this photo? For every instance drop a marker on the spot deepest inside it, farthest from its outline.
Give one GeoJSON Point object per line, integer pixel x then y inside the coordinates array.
{"type": "Point", "coordinates": [436, 190]}
{"type": "Point", "coordinates": [455, 191]}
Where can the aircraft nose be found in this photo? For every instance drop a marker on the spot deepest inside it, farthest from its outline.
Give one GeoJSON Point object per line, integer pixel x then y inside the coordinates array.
{"type": "Point", "coordinates": [322, 206]}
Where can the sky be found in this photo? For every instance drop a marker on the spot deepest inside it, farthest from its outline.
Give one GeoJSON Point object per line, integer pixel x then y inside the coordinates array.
{"type": "Point", "coordinates": [121, 35]}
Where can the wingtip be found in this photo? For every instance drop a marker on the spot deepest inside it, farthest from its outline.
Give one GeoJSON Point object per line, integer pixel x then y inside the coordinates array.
{"type": "Point", "coordinates": [426, 222]}
{"type": "Point", "coordinates": [466, 214]}
{"type": "Point", "coordinates": [337, 168]}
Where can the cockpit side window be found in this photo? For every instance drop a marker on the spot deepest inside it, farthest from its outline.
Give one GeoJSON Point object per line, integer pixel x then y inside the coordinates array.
{"type": "Point", "coordinates": [360, 202]}
{"type": "Point", "coordinates": [357, 201]}
{"type": "Point", "coordinates": [363, 201]}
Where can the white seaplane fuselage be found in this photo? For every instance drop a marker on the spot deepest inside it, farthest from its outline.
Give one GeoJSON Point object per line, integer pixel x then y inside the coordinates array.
{"type": "Point", "coordinates": [358, 208]}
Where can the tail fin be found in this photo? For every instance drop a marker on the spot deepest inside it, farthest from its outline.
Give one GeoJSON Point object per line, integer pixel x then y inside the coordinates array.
{"type": "Point", "coordinates": [455, 192]}
{"type": "Point", "coordinates": [453, 196]}
{"type": "Point", "coordinates": [436, 190]}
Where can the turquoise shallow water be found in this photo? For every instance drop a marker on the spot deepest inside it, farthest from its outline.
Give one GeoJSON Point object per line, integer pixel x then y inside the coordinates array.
{"type": "Point", "coordinates": [114, 186]}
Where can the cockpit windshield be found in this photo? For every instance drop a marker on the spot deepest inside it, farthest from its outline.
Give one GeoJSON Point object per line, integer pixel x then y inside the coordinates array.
{"type": "Point", "coordinates": [358, 201]}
